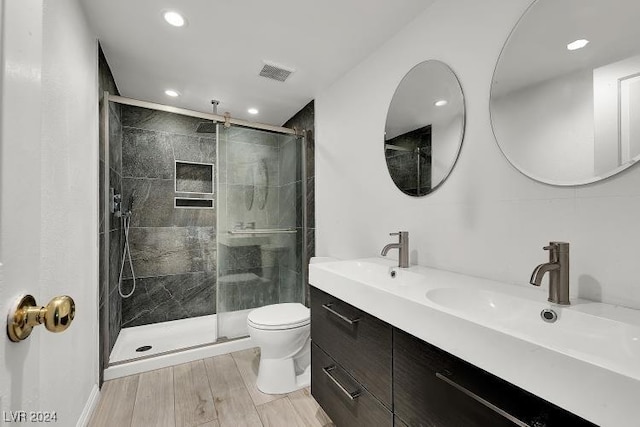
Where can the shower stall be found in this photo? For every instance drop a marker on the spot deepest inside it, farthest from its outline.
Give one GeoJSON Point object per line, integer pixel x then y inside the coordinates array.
{"type": "Point", "coordinates": [206, 221]}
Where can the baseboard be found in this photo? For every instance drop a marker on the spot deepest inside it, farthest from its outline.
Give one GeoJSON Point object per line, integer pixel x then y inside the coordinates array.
{"type": "Point", "coordinates": [91, 404]}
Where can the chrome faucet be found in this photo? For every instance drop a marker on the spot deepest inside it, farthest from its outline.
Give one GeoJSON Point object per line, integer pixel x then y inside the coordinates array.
{"type": "Point", "coordinates": [558, 269]}
{"type": "Point", "coordinates": [402, 246]}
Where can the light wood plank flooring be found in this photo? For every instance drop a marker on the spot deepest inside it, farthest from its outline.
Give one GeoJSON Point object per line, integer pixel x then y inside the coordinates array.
{"type": "Point", "coordinates": [215, 392]}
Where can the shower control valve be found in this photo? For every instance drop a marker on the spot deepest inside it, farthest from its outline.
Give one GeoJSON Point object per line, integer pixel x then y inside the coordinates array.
{"type": "Point", "coordinates": [116, 201]}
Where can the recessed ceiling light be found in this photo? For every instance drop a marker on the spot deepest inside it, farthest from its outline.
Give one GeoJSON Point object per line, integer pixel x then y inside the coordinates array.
{"type": "Point", "coordinates": [171, 92]}
{"type": "Point", "coordinates": [578, 44]}
{"type": "Point", "coordinates": [441, 103]}
{"type": "Point", "coordinates": [252, 111]}
{"type": "Point", "coordinates": [173, 18]}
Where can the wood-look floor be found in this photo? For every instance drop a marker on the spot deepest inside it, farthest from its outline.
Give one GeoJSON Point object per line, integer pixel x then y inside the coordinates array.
{"type": "Point", "coordinates": [216, 392]}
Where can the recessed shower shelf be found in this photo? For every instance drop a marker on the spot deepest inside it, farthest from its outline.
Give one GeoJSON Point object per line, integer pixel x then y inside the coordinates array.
{"type": "Point", "coordinates": [192, 203]}
{"type": "Point", "coordinates": [193, 177]}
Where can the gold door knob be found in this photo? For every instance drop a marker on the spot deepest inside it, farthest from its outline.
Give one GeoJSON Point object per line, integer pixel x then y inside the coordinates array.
{"type": "Point", "coordinates": [25, 314]}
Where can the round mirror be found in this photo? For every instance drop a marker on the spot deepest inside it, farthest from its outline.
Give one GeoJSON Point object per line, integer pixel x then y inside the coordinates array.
{"type": "Point", "coordinates": [565, 97]}
{"type": "Point", "coordinates": [424, 129]}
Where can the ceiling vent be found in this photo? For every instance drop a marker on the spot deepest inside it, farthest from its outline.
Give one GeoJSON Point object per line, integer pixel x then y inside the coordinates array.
{"type": "Point", "coordinates": [275, 72]}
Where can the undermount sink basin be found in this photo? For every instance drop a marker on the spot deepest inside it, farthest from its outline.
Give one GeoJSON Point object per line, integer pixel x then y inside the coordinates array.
{"type": "Point", "coordinates": [382, 276]}
{"type": "Point", "coordinates": [607, 342]}
{"type": "Point", "coordinates": [483, 303]}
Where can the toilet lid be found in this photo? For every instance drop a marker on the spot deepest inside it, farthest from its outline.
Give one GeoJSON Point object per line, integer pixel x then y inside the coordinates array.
{"type": "Point", "coordinates": [279, 316]}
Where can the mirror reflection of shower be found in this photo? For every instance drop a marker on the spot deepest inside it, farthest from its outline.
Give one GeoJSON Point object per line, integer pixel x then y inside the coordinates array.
{"type": "Point", "coordinates": [125, 218]}
{"type": "Point", "coordinates": [409, 161]}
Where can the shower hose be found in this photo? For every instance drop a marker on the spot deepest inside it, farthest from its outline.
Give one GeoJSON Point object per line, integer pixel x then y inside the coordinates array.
{"type": "Point", "coordinates": [126, 254]}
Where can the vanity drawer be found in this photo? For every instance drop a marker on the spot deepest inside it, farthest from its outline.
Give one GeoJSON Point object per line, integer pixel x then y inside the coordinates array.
{"type": "Point", "coordinates": [433, 387]}
{"type": "Point", "coordinates": [359, 342]}
{"type": "Point", "coordinates": [345, 401]}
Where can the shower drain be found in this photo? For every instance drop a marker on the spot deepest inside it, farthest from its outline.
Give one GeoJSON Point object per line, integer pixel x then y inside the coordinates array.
{"type": "Point", "coordinates": [143, 348]}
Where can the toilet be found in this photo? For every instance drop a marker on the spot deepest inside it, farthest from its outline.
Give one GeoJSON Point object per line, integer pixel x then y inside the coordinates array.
{"type": "Point", "coordinates": [282, 331]}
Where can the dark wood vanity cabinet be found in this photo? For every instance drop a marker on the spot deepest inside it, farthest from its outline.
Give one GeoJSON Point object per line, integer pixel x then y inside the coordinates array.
{"type": "Point", "coordinates": [344, 399]}
{"type": "Point", "coordinates": [367, 373]}
{"type": "Point", "coordinates": [434, 388]}
{"type": "Point", "coordinates": [351, 364]}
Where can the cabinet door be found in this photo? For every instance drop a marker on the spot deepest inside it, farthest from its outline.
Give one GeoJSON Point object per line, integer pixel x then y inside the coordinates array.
{"type": "Point", "coordinates": [434, 388]}
{"type": "Point", "coordinates": [359, 342]}
{"type": "Point", "coordinates": [423, 399]}
{"type": "Point", "coordinates": [344, 400]}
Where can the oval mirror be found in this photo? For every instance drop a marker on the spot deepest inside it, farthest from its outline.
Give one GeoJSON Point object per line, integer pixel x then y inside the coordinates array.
{"type": "Point", "coordinates": [425, 128]}
{"type": "Point", "coordinates": [565, 96]}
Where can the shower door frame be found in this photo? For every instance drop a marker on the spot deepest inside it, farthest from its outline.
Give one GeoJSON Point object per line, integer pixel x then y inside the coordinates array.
{"type": "Point", "coordinates": [221, 120]}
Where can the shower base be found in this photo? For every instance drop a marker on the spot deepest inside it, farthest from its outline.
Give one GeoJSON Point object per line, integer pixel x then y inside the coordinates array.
{"type": "Point", "coordinates": [172, 343]}
{"type": "Point", "coordinates": [164, 337]}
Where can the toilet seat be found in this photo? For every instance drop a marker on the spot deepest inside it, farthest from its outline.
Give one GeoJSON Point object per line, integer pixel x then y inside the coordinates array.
{"type": "Point", "coordinates": [279, 316]}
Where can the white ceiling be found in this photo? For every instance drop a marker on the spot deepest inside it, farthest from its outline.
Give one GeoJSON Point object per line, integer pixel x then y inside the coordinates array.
{"type": "Point", "coordinates": [220, 51]}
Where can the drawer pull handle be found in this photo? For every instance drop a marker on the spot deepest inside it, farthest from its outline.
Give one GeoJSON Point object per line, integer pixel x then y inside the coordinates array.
{"type": "Point", "coordinates": [478, 399]}
{"type": "Point", "coordinates": [328, 306]}
{"type": "Point", "coordinates": [352, 395]}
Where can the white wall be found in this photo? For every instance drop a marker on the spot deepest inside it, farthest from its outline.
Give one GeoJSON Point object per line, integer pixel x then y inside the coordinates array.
{"type": "Point", "coordinates": [548, 130]}
{"type": "Point", "coordinates": [69, 202]}
{"type": "Point", "coordinates": [487, 219]}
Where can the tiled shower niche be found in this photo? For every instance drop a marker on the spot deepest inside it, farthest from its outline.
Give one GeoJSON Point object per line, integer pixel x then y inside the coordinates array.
{"type": "Point", "coordinates": [191, 177]}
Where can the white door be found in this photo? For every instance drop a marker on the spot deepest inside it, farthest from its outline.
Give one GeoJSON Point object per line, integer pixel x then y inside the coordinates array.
{"type": "Point", "coordinates": [48, 206]}
{"type": "Point", "coordinates": [20, 119]}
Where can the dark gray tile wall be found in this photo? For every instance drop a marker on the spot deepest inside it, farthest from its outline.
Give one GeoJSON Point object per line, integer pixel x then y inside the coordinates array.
{"type": "Point", "coordinates": [173, 249]}
{"type": "Point", "coordinates": [249, 289]}
{"type": "Point", "coordinates": [115, 224]}
{"type": "Point", "coordinates": [109, 299]}
{"type": "Point", "coordinates": [162, 251]}
{"type": "Point", "coordinates": [165, 298]}
{"type": "Point", "coordinates": [305, 119]}
{"type": "Point", "coordinates": [153, 205]}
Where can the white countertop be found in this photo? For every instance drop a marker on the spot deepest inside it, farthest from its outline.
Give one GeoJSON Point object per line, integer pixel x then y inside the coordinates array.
{"type": "Point", "coordinates": [588, 362]}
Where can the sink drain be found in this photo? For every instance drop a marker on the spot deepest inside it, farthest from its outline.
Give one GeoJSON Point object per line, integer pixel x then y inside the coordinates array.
{"type": "Point", "coordinates": [143, 348]}
{"type": "Point", "coordinates": [549, 315]}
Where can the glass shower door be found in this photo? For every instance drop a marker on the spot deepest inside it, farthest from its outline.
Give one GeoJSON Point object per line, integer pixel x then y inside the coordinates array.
{"type": "Point", "coordinates": [259, 224]}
